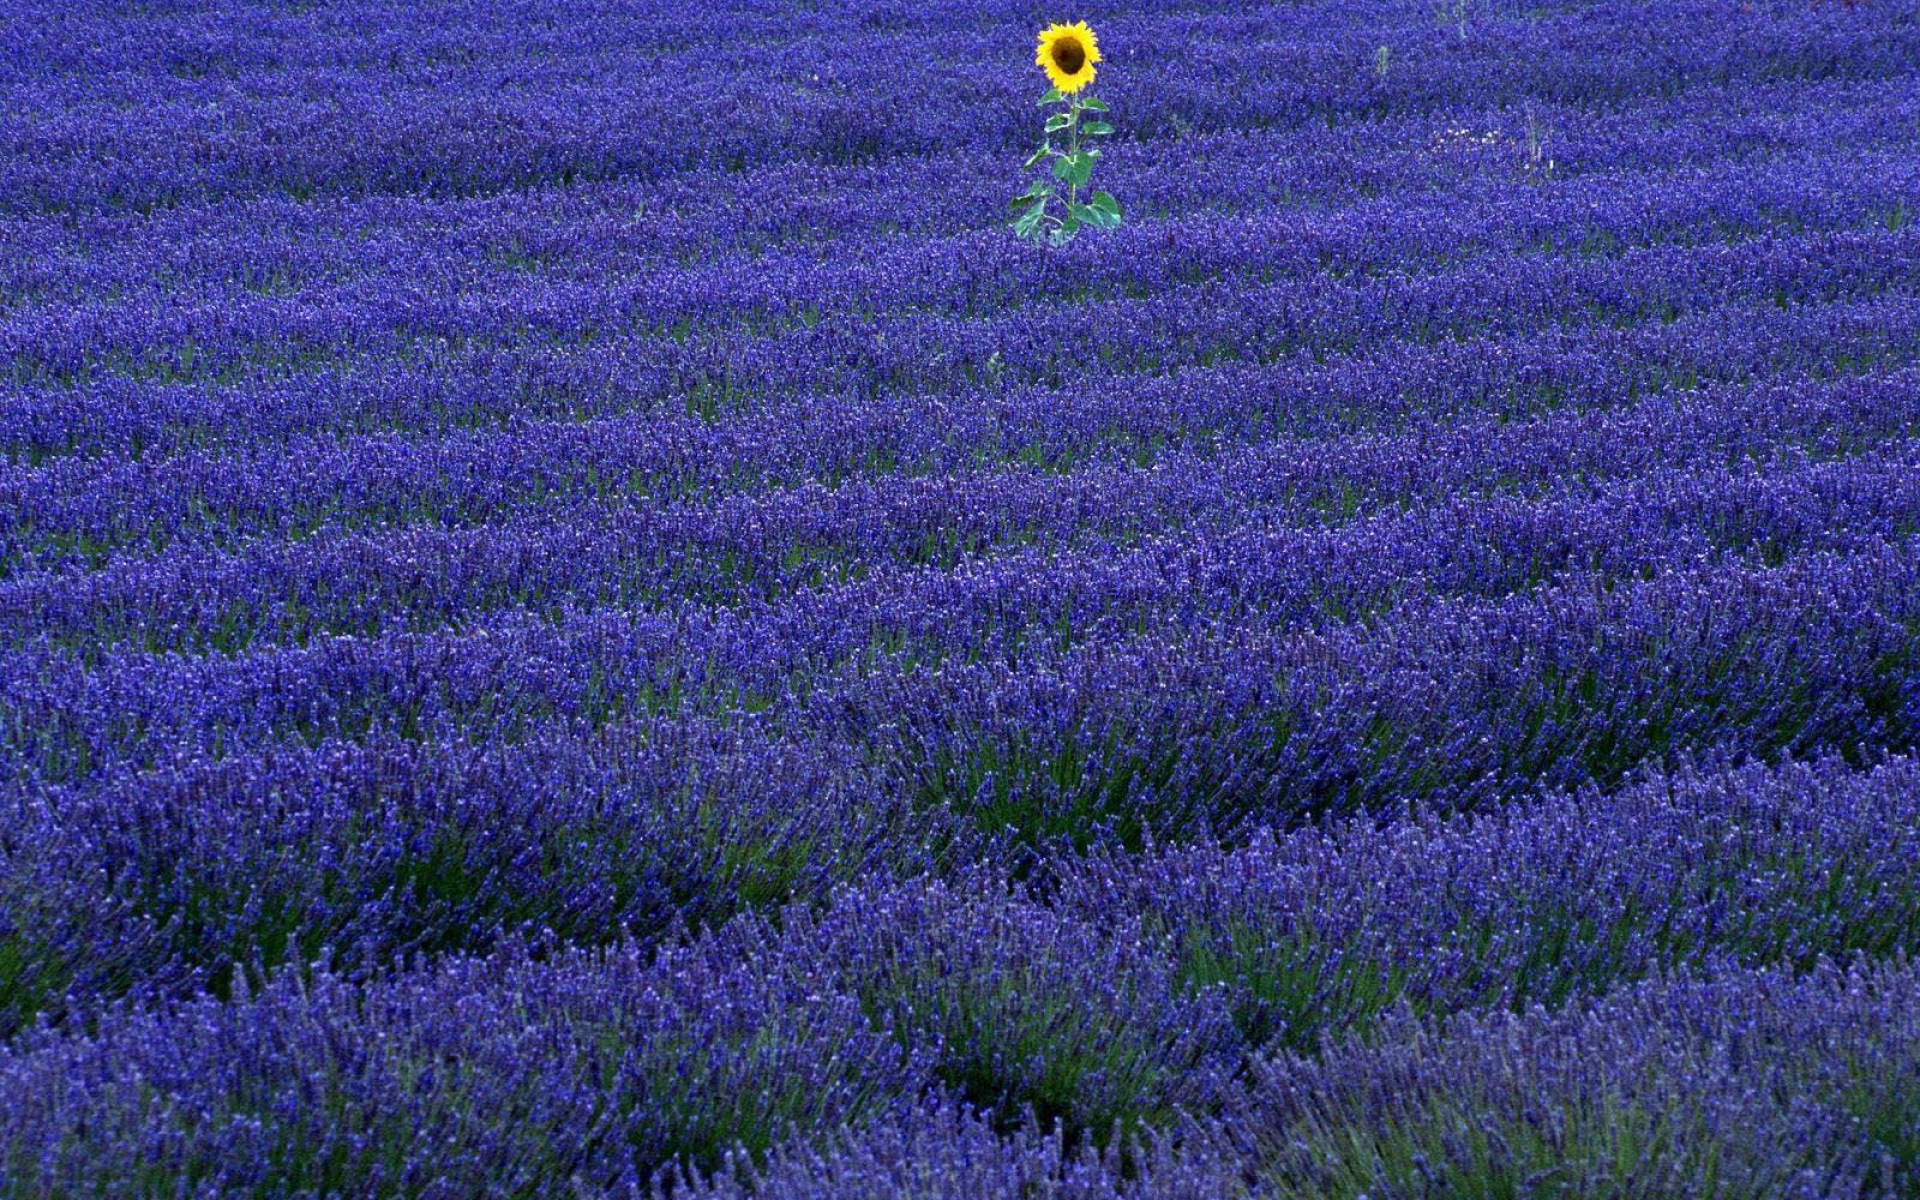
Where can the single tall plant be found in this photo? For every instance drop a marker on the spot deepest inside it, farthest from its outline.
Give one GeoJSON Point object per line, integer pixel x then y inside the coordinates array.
{"type": "Point", "coordinates": [1068, 54]}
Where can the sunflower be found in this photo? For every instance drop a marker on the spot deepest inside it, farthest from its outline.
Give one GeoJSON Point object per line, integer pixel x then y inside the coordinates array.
{"type": "Point", "coordinates": [1067, 54]}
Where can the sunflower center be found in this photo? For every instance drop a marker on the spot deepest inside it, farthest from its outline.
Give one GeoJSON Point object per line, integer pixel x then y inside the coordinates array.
{"type": "Point", "coordinates": [1069, 55]}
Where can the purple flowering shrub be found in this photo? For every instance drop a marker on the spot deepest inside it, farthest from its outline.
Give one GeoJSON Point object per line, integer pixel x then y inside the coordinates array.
{"type": "Point", "coordinates": [508, 1073]}
{"type": "Point", "coordinates": [1747, 1084]}
{"type": "Point", "coordinates": [1029, 1011]}
{"type": "Point", "coordinates": [1316, 934]}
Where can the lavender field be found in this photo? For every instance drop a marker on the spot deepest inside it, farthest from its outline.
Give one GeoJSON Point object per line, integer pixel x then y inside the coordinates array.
{"type": "Point", "coordinates": [580, 617]}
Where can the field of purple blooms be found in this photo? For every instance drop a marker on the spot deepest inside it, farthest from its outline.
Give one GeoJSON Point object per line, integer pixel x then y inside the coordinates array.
{"type": "Point", "coordinates": [580, 619]}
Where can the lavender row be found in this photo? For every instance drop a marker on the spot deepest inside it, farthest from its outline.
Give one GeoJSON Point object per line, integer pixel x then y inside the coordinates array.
{"type": "Point", "coordinates": [1173, 734]}
{"type": "Point", "coordinates": [666, 454]}
{"type": "Point", "coordinates": [1189, 710]}
{"type": "Point", "coordinates": [1502, 915]}
{"type": "Point", "coordinates": [612, 1066]}
{"type": "Point", "coordinates": [222, 339]}
{"type": "Point", "coordinates": [208, 875]}
{"type": "Point", "coordinates": [944, 1151]}
{"type": "Point", "coordinates": [1448, 703]}
{"type": "Point", "coordinates": [1320, 933]}
{"type": "Point", "coordinates": [59, 515]}
{"type": "Point", "coordinates": [756, 549]}
{"type": "Point", "coordinates": [596, 102]}
{"type": "Point", "coordinates": [522, 281]}
{"type": "Point", "coordinates": [665, 223]}
{"type": "Point", "coordinates": [1762, 1084]}
{"type": "Point", "coordinates": [512, 1076]}
{"type": "Point", "coordinates": [508, 682]}
{"type": "Point", "coordinates": [40, 407]}
{"type": "Point", "coordinates": [177, 881]}
{"type": "Point", "coordinates": [598, 1070]}
{"type": "Point", "coordinates": [275, 247]}
{"type": "Point", "coordinates": [990, 607]}
{"type": "Point", "coordinates": [1745, 1084]}
{"type": "Point", "coordinates": [1057, 744]}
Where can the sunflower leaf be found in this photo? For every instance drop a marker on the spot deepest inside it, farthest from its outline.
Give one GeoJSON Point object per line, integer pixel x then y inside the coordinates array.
{"type": "Point", "coordinates": [1105, 202]}
{"type": "Point", "coordinates": [1029, 222]}
{"type": "Point", "coordinates": [1099, 218]}
{"type": "Point", "coordinates": [1059, 121]}
{"type": "Point", "coordinates": [1098, 128]}
{"type": "Point", "coordinates": [1089, 103]}
{"type": "Point", "coordinates": [1074, 169]}
{"type": "Point", "coordinates": [1053, 96]}
{"type": "Point", "coordinates": [1038, 155]}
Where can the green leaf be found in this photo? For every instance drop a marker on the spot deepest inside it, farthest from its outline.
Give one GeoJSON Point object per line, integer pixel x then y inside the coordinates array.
{"type": "Point", "coordinates": [1088, 102]}
{"type": "Point", "coordinates": [1038, 156]}
{"type": "Point", "coordinates": [1053, 96]}
{"type": "Point", "coordinates": [1099, 218]}
{"type": "Point", "coordinates": [1098, 128]}
{"type": "Point", "coordinates": [1105, 202]}
{"type": "Point", "coordinates": [1079, 168]}
{"type": "Point", "coordinates": [1039, 191]}
{"type": "Point", "coordinates": [1029, 223]}
{"type": "Point", "coordinates": [1062, 167]}
{"type": "Point", "coordinates": [1059, 121]}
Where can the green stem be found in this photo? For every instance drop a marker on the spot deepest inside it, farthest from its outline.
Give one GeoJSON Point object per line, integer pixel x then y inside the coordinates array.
{"type": "Point", "coordinates": [1073, 189]}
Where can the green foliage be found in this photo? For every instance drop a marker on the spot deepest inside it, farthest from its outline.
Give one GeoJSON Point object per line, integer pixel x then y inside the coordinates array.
{"type": "Point", "coordinates": [1059, 213]}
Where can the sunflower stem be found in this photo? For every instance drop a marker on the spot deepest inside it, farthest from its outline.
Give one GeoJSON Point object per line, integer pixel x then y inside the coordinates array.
{"type": "Point", "coordinates": [1073, 189]}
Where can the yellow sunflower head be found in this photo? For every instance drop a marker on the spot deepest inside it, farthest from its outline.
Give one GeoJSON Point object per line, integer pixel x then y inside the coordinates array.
{"type": "Point", "coordinates": [1067, 54]}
